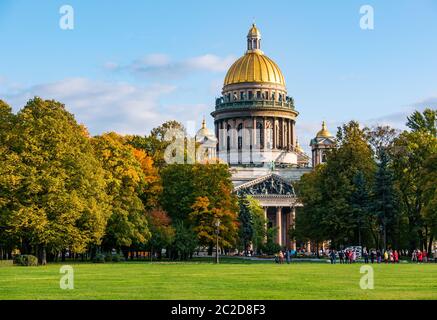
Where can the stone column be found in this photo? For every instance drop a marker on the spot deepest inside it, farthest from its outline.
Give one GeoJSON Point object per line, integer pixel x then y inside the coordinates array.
{"type": "Point", "coordinates": [264, 133]}
{"type": "Point", "coordinates": [267, 222]}
{"type": "Point", "coordinates": [279, 225]}
{"type": "Point", "coordinates": [275, 133]}
{"type": "Point", "coordinates": [293, 225]}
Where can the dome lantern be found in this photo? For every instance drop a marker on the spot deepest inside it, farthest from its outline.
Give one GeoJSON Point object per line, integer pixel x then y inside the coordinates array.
{"type": "Point", "coordinates": [253, 39]}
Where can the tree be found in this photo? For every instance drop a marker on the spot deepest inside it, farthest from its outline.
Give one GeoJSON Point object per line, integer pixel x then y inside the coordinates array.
{"type": "Point", "coordinates": [9, 176]}
{"type": "Point", "coordinates": [412, 150]}
{"type": "Point", "coordinates": [245, 218]}
{"type": "Point", "coordinates": [177, 183]}
{"type": "Point", "coordinates": [125, 179]}
{"type": "Point", "coordinates": [384, 200]}
{"type": "Point", "coordinates": [360, 202]}
{"type": "Point", "coordinates": [152, 187]}
{"type": "Point", "coordinates": [429, 180]}
{"type": "Point", "coordinates": [252, 223]}
{"type": "Point", "coordinates": [185, 241]}
{"type": "Point", "coordinates": [381, 138]}
{"type": "Point", "coordinates": [423, 122]}
{"type": "Point", "coordinates": [162, 232]}
{"type": "Point", "coordinates": [58, 198]}
{"type": "Point", "coordinates": [203, 219]}
{"type": "Point", "coordinates": [329, 203]}
{"type": "Point", "coordinates": [157, 142]}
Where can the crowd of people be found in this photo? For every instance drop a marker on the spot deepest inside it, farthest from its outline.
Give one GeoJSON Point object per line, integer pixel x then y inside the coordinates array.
{"type": "Point", "coordinates": [372, 256]}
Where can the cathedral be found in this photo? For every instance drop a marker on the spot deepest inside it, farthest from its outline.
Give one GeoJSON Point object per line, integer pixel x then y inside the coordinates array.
{"type": "Point", "coordinates": [255, 134]}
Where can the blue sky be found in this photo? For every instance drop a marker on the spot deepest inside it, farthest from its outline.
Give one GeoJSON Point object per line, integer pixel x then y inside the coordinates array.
{"type": "Point", "coordinates": [129, 66]}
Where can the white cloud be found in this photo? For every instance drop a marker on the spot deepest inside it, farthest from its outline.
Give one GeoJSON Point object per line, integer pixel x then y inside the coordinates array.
{"type": "Point", "coordinates": [103, 106]}
{"type": "Point", "coordinates": [161, 65]}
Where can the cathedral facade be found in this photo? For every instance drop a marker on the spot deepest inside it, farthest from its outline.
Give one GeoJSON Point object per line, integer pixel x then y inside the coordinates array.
{"type": "Point", "coordinates": [255, 130]}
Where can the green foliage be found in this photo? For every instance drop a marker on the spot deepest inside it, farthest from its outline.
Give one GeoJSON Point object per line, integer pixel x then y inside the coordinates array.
{"type": "Point", "coordinates": [252, 223]}
{"type": "Point", "coordinates": [162, 231]}
{"type": "Point", "coordinates": [177, 183]}
{"type": "Point", "coordinates": [56, 191]}
{"type": "Point", "coordinates": [328, 192]}
{"type": "Point", "coordinates": [384, 204]}
{"type": "Point", "coordinates": [124, 178]}
{"type": "Point", "coordinates": [99, 258]}
{"type": "Point", "coordinates": [423, 122]}
{"type": "Point", "coordinates": [271, 247]}
{"type": "Point", "coordinates": [26, 260]}
{"type": "Point", "coordinates": [185, 241]}
{"type": "Point", "coordinates": [156, 143]}
{"type": "Point", "coordinates": [413, 149]}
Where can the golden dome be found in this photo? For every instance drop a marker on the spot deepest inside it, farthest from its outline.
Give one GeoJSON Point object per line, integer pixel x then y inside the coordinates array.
{"type": "Point", "coordinates": [298, 147]}
{"type": "Point", "coordinates": [204, 132]}
{"type": "Point", "coordinates": [254, 32]}
{"type": "Point", "coordinates": [324, 133]}
{"type": "Point", "coordinates": [254, 67]}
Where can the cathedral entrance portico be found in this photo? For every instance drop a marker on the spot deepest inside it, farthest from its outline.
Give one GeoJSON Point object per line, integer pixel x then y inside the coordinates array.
{"type": "Point", "coordinates": [279, 201]}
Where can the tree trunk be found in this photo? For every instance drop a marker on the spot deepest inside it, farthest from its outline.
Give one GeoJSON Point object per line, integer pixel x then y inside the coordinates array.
{"type": "Point", "coordinates": [431, 240]}
{"type": "Point", "coordinates": [42, 255]}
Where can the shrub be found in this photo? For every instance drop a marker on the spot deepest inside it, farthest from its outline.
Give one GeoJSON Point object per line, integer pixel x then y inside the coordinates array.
{"type": "Point", "coordinates": [99, 258]}
{"type": "Point", "coordinates": [117, 258]}
{"type": "Point", "coordinates": [26, 260]}
{"type": "Point", "coordinates": [108, 257]}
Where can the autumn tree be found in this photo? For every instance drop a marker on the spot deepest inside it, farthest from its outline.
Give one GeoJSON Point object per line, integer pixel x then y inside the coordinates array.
{"type": "Point", "coordinates": [161, 229]}
{"type": "Point", "coordinates": [57, 198]}
{"type": "Point", "coordinates": [125, 179]}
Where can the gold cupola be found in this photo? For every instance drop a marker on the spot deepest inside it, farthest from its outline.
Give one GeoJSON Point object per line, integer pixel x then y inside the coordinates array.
{"type": "Point", "coordinates": [324, 133]}
{"type": "Point", "coordinates": [254, 66]}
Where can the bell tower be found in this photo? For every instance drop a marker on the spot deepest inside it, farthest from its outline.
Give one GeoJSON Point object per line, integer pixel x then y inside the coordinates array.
{"type": "Point", "coordinates": [323, 141]}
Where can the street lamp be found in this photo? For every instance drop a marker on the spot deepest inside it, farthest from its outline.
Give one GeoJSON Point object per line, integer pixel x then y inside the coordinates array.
{"type": "Point", "coordinates": [217, 231]}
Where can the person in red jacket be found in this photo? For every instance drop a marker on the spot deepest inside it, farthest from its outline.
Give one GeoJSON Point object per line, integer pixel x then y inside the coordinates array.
{"type": "Point", "coordinates": [419, 256]}
{"type": "Point", "coordinates": [396, 256]}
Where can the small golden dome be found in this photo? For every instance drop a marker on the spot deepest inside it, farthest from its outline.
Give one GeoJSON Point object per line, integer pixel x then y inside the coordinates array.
{"type": "Point", "coordinates": [324, 133]}
{"type": "Point", "coordinates": [204, 132]}
{"type": "Point", "coordinates": [254, 67]}
{"type": "Point", "coordinates": [298, 147]}
{"type": "Point", "coordinates": [254, 32]}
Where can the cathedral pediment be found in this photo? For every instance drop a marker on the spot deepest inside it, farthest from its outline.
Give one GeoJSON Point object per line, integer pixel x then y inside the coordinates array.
{"type": "Point", "coordinates": [269, 185]}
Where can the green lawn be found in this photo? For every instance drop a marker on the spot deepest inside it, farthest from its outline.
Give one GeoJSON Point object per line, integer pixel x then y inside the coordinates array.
{"type": "Point", "coordinates": [235, 279]}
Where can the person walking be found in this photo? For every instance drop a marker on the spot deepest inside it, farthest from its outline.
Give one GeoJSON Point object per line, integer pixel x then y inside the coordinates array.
{"type": "Point", "coordinates": [414, 256]}
{"type": "Point", "coordinates": [281, 257]}
{"type": "Point", "coordinates": [333, 256]}
{"type": "Point", "coordinates": [341, 256]}
{"type": "Point", "coordinates": [396, 256]}
{"type": "Point", "coordinates": [366, 256]}
{"type": "Point", "coordinates": [372, 256]}
{"type": "Point", "coordinates": [385, 256]}
{"type": "Point", "coordinates": [378, 256]}
{"type": "Point", "coordinates": [419, 256]}
{"type": "Point", "coordinates": [435, 255]}
{"type": "Point", "coordinates": [287, 256]}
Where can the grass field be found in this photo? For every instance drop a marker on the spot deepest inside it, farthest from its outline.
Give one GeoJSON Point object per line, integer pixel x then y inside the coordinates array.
{"type": "Point", "coordinates": [234, 279]}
